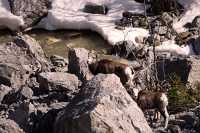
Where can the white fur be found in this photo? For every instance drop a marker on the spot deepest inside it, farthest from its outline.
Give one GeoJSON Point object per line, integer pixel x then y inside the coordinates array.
{"type": "Point", "coordinates": [164, 99]}
{"type": "Point", "coordinates": [135, 92]}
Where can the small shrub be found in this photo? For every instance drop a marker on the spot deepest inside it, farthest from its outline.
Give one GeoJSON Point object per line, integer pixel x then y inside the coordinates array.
{"type": "Point", "coordinates": [180, 97]}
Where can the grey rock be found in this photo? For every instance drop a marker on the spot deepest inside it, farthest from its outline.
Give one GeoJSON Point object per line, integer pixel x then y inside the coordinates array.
{"type": "Point", "coordinates": [133, 20]}
{"type": "Point", "coordinates": [123, 49]}
{"type": "Point", "coordinates": [59, 81]}
{"type": "Point", "coordinates": [60, 63]}
{"type": "Point", "coordinates": [32, 11]}
{"type": "Point", "coordinates": [136, 20]}
{"type": "Point", "coordinates": [19, 60]}
{"type": "Point", "coordinates": [181, 66]}
{"type": "Point", "coordinates": [9, 126]}
{"type": "Point", "coordinates": [46, 122]}
{"type": "Point", "coordinates": [160, 6]}
{"type": "Point", "coordinates": [196, 46]}
{"type": "Point", "coordinates": [159, 27]}
{"type": "Point", "coordinates": [10, 76]}
{"type": "Point", "coordinates": [4, 90]}
{"type": "Point", "coordinates": [174, 129]}
{"type": "Point", "coordinates": [78, 63]}
{"type": "Point", "coordinates": [185, 122]}
{"type": "Point", "coordinates": [58, 105]}
{"type": "Point", "coordinates": [18, 95]}
{"type": "Point", "coordinates": [193, 77]}
{"type": "Point", "coordinates": [42, 108]}
{"type": "Point", "coordinates": [196, 22]}
{"type": "Point", "coordinates": [103, 105]}
{"type": "Point", "coordinates": [26, 93]}
{"type": "Point", "coordinates": [11, 97]}
{"type": "Point", "coordinates": [21, 115]}
{"type": "Point", "coordinates": [167, 18]}
{"type": "Point", "coordinates": [95, 9]}
{"type": "Point", "coordinates": [35, 50]}
{"type": "Point", "coordinates": [32, 83]}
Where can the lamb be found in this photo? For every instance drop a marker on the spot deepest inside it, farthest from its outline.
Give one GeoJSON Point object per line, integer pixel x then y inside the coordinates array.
{"type": "Point", "coordinates": [154, 100]}
{"type": "Point", "coordinates": [123, 71]}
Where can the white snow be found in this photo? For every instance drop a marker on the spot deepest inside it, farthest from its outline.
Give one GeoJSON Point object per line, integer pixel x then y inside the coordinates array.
{"type": "Point", "coordinates": [7, 19]}
{"type": "Point", "coordinates": [68, 14]}
{"type": "Point", "coordinates": [170, 46]}
{"type": "Point", "coordinates": [192, 9]}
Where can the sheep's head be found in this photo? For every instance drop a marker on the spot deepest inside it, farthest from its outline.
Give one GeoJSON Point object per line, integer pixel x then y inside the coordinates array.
{"type": "Point", "coordinates": [135, 92]}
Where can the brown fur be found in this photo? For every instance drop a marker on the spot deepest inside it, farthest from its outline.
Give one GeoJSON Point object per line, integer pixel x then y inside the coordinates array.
{"type": "Point", "coordinates": [152, 100]}
{"type": "Point", "coordinates": [107, 67]}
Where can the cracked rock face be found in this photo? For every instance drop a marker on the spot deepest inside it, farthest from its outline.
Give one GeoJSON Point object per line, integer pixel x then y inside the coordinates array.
{"type": "Point", "coordinates": [20, 59]}
{"type": "Point", "coordinates": [9, 126]}
{"type": "Point", "coordinates": [78, 63]}
{"type": "Point", "coordinates": [103, 105]}
{"type": "Point", "coordinates": [32, 11]}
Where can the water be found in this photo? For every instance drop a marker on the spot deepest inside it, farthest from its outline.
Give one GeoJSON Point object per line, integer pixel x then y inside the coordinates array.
{"type": "Point", "coordinates": [58, 42]}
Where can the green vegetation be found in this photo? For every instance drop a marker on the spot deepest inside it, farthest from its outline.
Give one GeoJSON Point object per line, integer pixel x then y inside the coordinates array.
{"type": "Point", "coordinates": [182, 98]}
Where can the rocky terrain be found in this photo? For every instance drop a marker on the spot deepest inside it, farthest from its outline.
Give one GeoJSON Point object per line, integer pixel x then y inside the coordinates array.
{"type": "Point", "coordinates": [40, 94]}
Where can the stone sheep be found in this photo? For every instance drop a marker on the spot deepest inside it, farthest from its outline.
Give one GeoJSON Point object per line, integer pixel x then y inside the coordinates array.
{"type": "Point", "coordinates": [123, 71]}
{"type": "Point", "coordinates": [153, 100]}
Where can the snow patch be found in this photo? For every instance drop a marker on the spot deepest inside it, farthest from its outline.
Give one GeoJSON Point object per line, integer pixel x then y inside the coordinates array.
{"type": "Point", "coordinates": [192, 9]}
{"type": "Point", "coordinates": [68, 14]}
{"type": "Point", "coordinates": [170, 46]}
{"type": "Point", "coordinates": [7, 19]}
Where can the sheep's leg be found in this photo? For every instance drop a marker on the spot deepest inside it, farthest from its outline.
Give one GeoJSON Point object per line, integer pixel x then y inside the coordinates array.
{"type": "Point", "coordinates": [157, 115]}
{"type": "Point", "coordinates": [165, 114]}
{"type": "Point", "coordinates": [166, 118]}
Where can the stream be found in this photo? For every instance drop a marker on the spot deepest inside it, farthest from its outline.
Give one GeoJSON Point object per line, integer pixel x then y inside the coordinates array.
{"type": "Point", "coordinates": [58, 42]}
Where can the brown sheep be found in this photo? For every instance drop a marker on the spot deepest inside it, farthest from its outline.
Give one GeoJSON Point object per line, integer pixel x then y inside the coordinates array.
{"type": "Point", "coordinates": [154, 100]}
{"type": "Point", "coordinates": [123, 71]}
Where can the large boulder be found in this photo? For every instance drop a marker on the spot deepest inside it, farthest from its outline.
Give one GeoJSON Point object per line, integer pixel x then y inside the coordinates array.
{"type": "Point", "coordinates": [33, 48]}
{"type": "Point", "coordinates": [20, 59]}
{"type": "Point", "coordinates": [78, 63]}
{"type": "Point", "coordinates": [59, 81]}
{"type": "Point", "coordinates": [32, 11]}
{"type": "Point", "coordinates": [103, 105]}
{"type": "Point", "coordinates": [9, 126]}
